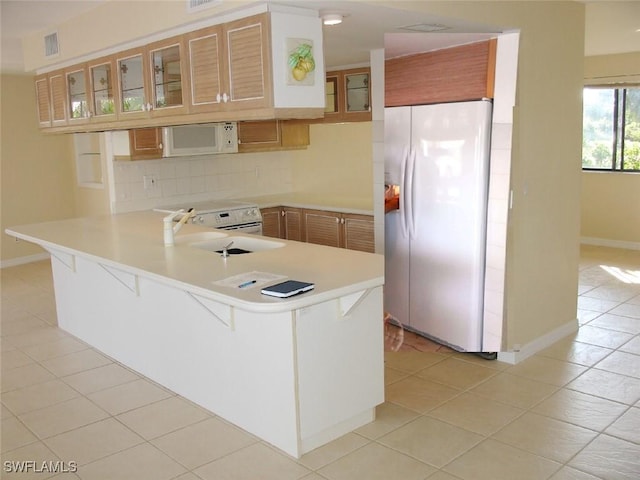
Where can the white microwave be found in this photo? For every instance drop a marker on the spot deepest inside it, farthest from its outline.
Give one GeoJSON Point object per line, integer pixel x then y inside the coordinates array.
{"type": "Point", "coordinates": [200, 139]}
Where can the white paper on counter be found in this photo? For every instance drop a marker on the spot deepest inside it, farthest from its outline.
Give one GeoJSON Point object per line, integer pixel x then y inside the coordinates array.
{"type": "Point", "coordinates": [244, 280]}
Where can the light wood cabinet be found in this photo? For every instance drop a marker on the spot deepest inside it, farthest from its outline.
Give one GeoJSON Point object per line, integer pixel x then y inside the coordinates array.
{"type": "Point", "coordinates": [358, 232]}
{"type": "Point", "coordinates": [205, 55]}
{"type": "Point", "coordinates": [336, 229]}
{"type": "Point", "coordinates": [271, 222]}
{"type": "Point", "coordinates": [232, 71]}
{"type": "Point", "coordinates": [462, 73]}
{"type": "Point", "coordinates": [322, 227]}
{"type": "Point", "coordinates": [43, 100]}
{"type": "Point", "coordinates": [293, 223]}
{"type": "Point", "coordinates": [102, 89]}
{"type": "Point", "coordinates": [168, 77]}
{"type": "Point", "coordinates": [145, 143]}
{"type": "Point", "coordinates": [348, 96]}
{"type": "Point", "coordinates": [230, 66]}
{"type": "Point", "coordinates": [266, 135]}
{"type": "Point", "coordinates": [133, 94]}
{"type": "Point", "coordinates": [77, 95]}
{"type": "Point", "coordinates": [282, 222]}
{"type": "Point", "coordinates": [58, 98]}
{"type": "Point", "coordinates": [151, 80]}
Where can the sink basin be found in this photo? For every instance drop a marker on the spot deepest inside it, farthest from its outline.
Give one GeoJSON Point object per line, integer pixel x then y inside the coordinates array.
{"type": "Point", "coordinates": [240, 245]}
{"type": "Point", "coordinates": [198, 237]}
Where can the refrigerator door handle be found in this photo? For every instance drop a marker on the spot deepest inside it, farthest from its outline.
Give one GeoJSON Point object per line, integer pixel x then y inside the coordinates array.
{"type": "Point", "coordinates": [403, 193]}
{"type": "Point", "coordinates": [411, 193]}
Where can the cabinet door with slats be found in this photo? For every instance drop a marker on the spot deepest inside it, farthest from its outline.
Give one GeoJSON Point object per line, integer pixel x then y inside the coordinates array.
{"type": "Point", "coordinates": [57, 87]}
{"type": "Point", "coordinates": [323, 227]}
{"type": "Point", "coordinates": [358, 232]}
{"type": "Point", "coordinates": [271, 222]}
{"type": "Point", "coordinates": [204, 49]}
{"type": "Point", "coordinates": [248, 62]}
{"type": "Point", "coordinates": [293, 224]}
{"type": "Point", "coordinates": [43, 101]}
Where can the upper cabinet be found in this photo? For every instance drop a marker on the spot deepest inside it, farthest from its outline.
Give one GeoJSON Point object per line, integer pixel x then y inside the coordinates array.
{"type": "Point", "coordinates": [51, 99]}
{"type": "Point", "coordinates": [168, 75]}
{"type": "Point", "coordinates": [133, 95]}
{"type": "Point", "coordinates": [465, 72]}
{"type": "Point", "coordinates": [151, 80]}
{"type": "Point", "coordinates": [43, 101]}
{"type": "Point", "coordinates": [348, 96]}
{"type": "Point", "coordinates": [229, 66]}
{"type": "Point", "coordinates": [265, 66]}
{"type": "Point", "coordinates": [57, 85]}
{"type": "Point", "coordinates": [77, 95]}
{"type": "Point", "coordinates": [102, 89]}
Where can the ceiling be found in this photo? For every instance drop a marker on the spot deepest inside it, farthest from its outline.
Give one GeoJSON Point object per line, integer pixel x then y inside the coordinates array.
{"type": "Point", "coordinates": [611, 27]}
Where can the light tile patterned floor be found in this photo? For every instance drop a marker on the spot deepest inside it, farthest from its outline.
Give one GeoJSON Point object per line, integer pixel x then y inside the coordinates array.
{"type": "Point", "coordinates": [570, 412]}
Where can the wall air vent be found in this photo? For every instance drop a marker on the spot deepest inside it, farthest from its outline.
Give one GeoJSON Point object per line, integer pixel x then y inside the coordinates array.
{"type": "Point", "coordinates": [197, 5]}
{"type": "Point", "coordinates": [51, 47]}
{"type": "Point", "coordinates": [426, 27]}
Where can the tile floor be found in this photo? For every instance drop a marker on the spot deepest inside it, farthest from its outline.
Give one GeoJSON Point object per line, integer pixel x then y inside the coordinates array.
{"type": "Point", "coordinates": [571, 412]}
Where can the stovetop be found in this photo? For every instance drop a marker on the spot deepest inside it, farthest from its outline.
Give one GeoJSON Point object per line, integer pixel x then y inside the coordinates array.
{"type": "Point", "coordinates": [219, 213]}
{"type": "Point", "coordinates": [210, 206]}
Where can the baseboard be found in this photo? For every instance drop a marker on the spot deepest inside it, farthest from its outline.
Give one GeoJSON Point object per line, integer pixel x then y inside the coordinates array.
{"type": "Point", "coordinates": [14, 262]}
{"type": "Point", "coordinates": [539, 344]}
{"type": "Point", "coordinates": [605, 242]}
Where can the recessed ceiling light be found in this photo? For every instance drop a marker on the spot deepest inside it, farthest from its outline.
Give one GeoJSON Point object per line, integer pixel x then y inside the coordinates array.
{"type": "Point", "coordinates": [331, 18]}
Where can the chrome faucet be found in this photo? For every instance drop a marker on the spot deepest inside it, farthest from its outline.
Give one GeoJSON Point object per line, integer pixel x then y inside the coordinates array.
{"type": "Point", "coordinates": [225, 249]}
{"type": "Point", "coordinates": [170, 229]}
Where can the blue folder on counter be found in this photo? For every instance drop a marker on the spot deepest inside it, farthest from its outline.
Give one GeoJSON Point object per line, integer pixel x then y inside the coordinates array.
{"type": "Point", "coordinates": [287, 288]}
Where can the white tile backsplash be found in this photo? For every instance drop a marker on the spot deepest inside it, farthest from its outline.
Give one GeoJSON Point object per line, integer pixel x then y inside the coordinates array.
{"type": "Point", "coordinates": [187, 179]}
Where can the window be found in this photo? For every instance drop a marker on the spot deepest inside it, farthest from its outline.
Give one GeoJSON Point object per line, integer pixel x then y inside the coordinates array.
{"type": "Point", "coordinates": [611, 129]}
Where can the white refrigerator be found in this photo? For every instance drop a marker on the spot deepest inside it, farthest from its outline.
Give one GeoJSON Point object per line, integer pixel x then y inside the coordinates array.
{"type": "Point", "coordinates": [438, 158]}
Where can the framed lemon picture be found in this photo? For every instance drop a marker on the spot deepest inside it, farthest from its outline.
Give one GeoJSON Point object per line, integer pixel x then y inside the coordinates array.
{"type": "Point", "coordinates": [301, 65]}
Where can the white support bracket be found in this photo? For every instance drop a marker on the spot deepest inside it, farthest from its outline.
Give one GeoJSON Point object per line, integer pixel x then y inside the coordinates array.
{"type": "Point", "coordinates": [350, 302]}
{"type": "Point", "coordinates": [221, 312]}
{"type": "Point", "coordinates": [67, 259]}
{"type": "Point", "coordinates": [129, 280]}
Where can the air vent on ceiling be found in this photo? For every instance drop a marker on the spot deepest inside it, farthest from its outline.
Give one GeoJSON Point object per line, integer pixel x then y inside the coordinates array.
{"type": "Point", "coordinates": [197, 5]}
{"type": "Point", "coordinates": [426, 27]}
{"type": "Point", "coordinates": [51, 47]}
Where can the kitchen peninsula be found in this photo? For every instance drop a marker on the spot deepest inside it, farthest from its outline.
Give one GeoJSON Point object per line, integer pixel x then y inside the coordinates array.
{"type": "Point", "coordinates": [296, 372]}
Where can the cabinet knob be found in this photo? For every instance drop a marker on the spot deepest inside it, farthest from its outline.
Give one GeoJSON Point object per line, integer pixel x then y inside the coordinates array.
{"type": "Point", "coordinates": [225, 97]}
{"type": "Point", "coordinates": [218, 97]}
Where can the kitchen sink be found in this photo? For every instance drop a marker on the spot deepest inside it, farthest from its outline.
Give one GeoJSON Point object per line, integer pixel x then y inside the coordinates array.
{"type": "Point", "coordinates": [237, 245]}
{"type": "Point", "coordinates": [199, 237]}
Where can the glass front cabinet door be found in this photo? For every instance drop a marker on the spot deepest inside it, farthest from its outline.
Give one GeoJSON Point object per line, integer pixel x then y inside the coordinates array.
{"type": "Point", "coordinates": [168, 77]}
{"type": "Point", "coordinates": [348, 96]}
{"type": "Point", "coordinates": [132, 89]}
{"type": "Point", "coordinates": [102, 87]}
{"type": "Point", "coordinates": [357, 94]}
{"type": "Point", "coordinates": [77, 96]}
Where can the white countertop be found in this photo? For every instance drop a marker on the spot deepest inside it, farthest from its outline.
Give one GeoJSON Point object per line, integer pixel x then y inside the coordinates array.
{"type": "Point", "coordinates": [335, 203]}
{"type": "Point", "coordinates": [133, 242]}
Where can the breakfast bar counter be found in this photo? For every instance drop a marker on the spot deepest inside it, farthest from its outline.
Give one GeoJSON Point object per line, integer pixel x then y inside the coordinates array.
{"type": "Point", "coordinates": [296, 372]}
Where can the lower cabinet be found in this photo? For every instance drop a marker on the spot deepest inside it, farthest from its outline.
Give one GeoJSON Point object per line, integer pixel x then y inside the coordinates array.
{"type": "Point", "coordinates": [345, 230]}
{"type": "Point", "coordinates": [322, 227]}
{"type": "Point", "coordinates": [282, 222]}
